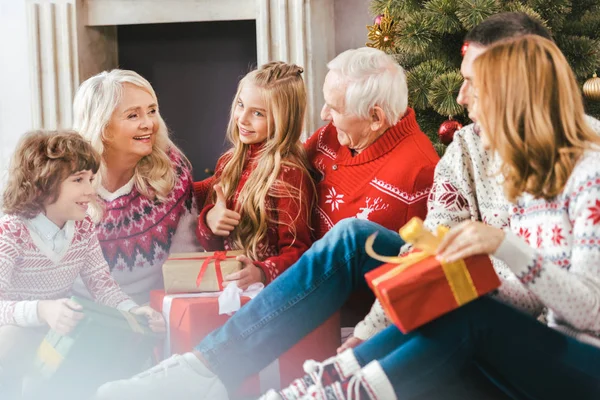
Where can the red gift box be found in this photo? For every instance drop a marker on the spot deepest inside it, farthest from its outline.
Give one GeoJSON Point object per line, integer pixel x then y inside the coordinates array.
{"type": "Point", "coordinates": [418, 288]}
{"type": "Point", "coordinates": [192, 318]}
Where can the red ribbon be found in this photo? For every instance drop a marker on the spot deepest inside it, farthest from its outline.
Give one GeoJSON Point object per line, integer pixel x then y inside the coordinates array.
{"type": "Point", "coordinates": [217, 257]}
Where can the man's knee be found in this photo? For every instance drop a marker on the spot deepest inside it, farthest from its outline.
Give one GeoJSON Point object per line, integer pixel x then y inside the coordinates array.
{"type": "Point", "coordinates": [353, 228]}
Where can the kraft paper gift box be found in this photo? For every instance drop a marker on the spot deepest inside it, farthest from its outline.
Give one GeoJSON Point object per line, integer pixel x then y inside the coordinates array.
{"type": "Point", "coordinates": [200, 271]}
{"type": "Point", "coordinates": [417, 288]}
{"type": "Point", "coordinates": [191, 319]}
{"type": "Point", "coordinates": [106, 345]}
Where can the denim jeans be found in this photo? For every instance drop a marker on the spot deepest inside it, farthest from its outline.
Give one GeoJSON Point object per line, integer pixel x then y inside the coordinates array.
{"type": "Point", "coordinates": [531, 360]}
{"type": "Point", "coordinates": [297, 302]}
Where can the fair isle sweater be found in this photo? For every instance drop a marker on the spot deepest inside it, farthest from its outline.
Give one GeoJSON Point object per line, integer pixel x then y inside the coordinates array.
{"type": "Point", "coordinates": [287, 239]}
{"type": "Point", "coordinates": [31, 271]}
{"type": "Point", "coordinates": [137, 234]}
{"type": "Point", "coordinates": [387, 183]}
{"type": "Point", "coordinates": [467, 186]}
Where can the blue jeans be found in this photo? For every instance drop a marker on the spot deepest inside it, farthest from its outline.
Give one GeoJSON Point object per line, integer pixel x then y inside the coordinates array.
{"type": "Point", "coordinates": [528, 359]}
{"type": "Point", "coordinates": [297, 302]}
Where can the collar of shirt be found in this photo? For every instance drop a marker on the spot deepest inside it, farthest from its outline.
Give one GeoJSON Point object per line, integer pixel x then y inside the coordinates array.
{"type": "Point", "coordinates": [47, 230]}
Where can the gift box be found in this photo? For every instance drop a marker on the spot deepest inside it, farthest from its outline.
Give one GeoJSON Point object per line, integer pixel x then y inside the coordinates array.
{"type": "Point", "coordinates": [190, 319]}
{"type": "Point", "coordinates": [106, 345]}
{"type": "Point", "coordinates": [200, 271]}
{"type": "Point", "coordinates": [417, 288]}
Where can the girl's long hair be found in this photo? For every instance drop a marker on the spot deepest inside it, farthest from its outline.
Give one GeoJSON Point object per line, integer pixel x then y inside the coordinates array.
{"type": "Point", "coordinates": [530, 107]}
{"type": "Point", "coordinates": [283, 90]}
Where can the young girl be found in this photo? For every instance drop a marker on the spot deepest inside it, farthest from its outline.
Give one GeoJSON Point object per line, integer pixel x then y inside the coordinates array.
{"type": "Point", "coordinates": [46, 241]}
{"type": "Point", "coordinates": [528, 104]}
{"type": "Point", "coordinates": [263, 192]}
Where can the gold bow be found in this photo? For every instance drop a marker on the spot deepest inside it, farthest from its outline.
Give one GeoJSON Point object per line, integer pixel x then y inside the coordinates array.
{"type": "Point", "coordinates": [414, 232]}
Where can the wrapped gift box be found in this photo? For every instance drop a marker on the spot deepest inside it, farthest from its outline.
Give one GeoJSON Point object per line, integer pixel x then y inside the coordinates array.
{"type": "Point", "coordinates": [192, 318]}
{"type": "Point", "coordinates": [200, 271]}
{"type": "Point", "coordinates": [418, 288]}
{"type": "Point", "coordinates": [106, 345]}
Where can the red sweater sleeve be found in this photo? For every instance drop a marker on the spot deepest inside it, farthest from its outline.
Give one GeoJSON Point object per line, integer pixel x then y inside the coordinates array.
{"type": "Point", "coordinates": [421, 189]}
{"type": "Point", "coordinates": [293, 230]}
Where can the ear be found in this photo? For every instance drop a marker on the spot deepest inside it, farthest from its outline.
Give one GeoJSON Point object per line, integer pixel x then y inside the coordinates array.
{"type": "Point", "coordinates": [377, 118]}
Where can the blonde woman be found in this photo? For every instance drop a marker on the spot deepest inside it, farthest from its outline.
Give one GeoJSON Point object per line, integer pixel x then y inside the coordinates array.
{"type": "Point", "coordinates": [146, 208]}
{"type": "Point", "coordinates": [263, 191]}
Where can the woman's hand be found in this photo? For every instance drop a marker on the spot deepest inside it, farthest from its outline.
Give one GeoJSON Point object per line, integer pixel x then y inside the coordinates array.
{"type": "Point", "coordinates": [156, 322]}
{"type": "Point", "coordinates": [469, 238]}
{"type": "Point", "coordinates": [350, 343]}
{"type": "Point", "coordinates": [61, 315]}
{"type": "Point", "coordinates": [220, 219]}
{"type": "Point", "coordinates": [249, 274]}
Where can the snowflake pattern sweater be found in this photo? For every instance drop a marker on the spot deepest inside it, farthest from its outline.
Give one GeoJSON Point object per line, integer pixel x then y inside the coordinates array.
{"type": "Point", "coordinates": [468, 187]}
{"type": "Point", "coordinates": [30, 271]}
{"type": "Point", "coordinates": [387, 183]}
{"type": "Point", "coordinates": [137, 234]}
{"type": "Point", "coordinates": [283, 245]}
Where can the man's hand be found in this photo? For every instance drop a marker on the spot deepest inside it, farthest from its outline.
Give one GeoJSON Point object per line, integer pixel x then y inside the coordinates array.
{"type": "Point", "coordinates": [156, 322]}
{"type": "Point", "coordinates": [61, 315]}
{"type": "Point", "coordinates": [220, 219]}
{"type": "Point", "coordinates": [350, 343]}
{"type": "Point", "coordinates": [249, 274]}
{"type": "Point", "coordinates": [469, 238]}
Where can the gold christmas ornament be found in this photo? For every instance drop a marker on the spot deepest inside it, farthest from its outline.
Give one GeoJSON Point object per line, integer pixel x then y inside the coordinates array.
{"type": "Point", "coordinates": [591, 88]}
{"type": "Point", "coordinates": [381, 35]}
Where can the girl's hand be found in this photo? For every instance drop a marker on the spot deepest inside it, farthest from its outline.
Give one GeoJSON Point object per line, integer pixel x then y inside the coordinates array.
{"type": "Point", "coordinates": [156, 322]}
{"type": "Point", "coordinates": [469, 238]}
{"type": "Point", "coordinates": [350, 343]}
{"type": "Point", "coordinates": [219, 219]}
{"type": "Point", "coordinates": [249, 274]}
{"type": "Point", "coordinates": [61, 315]}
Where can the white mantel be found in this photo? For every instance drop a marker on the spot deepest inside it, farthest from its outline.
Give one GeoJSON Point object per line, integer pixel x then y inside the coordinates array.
{"type": "Point", "coordinates": [71, 40]}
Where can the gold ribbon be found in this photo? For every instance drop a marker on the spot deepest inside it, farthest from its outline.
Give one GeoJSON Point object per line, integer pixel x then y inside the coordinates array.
{"type": "Point", "coordinates": [458, 276]}
{"type": "Point", "coordinates": [49, 355]}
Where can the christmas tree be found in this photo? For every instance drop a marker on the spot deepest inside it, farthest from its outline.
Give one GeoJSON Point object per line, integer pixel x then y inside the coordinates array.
{"type": "Point", "coordinates": [426, 38]}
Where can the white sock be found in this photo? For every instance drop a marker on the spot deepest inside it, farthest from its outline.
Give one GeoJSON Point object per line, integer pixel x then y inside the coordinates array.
{"type": "Point", "coordinates": [377, 381]}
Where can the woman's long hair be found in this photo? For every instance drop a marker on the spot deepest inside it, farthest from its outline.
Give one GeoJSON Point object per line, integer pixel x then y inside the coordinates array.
{"type": "Point", "coordinates": [283, 90]}
{"type": "Point", "coordinates": [531, 109]}
{"type": "Point", "coordinates": [94, 104]}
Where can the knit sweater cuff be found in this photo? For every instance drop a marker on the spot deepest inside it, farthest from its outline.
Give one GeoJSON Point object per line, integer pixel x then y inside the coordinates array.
{"type": "Point", "coordinates": [515, 253]}
{"type": "Point", "coordinates": [26, 314]}
{"type": "Point", "coordinates": [375, 321]}
{"type": "Point", "coordinates": [126, 305]}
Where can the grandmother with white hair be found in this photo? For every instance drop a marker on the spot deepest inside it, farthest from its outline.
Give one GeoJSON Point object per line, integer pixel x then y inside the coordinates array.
{"type": "Point", "coordinates": [374, 164]}
{"type": "Point", "coordinates": [146, 208]}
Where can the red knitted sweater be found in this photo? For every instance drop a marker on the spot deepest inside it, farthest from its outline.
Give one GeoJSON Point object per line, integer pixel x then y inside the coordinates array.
{"type": "Point", "coordinates": [283, 246]}
{"type": "Point", "coordinates": [387, 183]}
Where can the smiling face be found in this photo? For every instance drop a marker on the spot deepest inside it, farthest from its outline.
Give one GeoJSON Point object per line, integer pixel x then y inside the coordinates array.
{"type": "Point", "coordinates": [134, 123]}
{"type": "Point", "coordinates": [352, 131]}
{"type": "Point", "coordinates": [250, 115]}
{"type": "Point", "coordinates": [74, 196]}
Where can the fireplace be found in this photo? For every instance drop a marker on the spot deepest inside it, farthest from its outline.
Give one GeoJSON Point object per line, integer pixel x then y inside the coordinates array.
{"type": "Point", "coordinates": [71, 40]}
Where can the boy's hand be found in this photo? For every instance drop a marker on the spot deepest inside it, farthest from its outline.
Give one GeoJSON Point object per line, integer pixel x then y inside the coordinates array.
{"type": "Point", "coordinates": [220, 219]}
{"type": "Point", "coordinates": [62, 315]}
{"type": "Point", "coordinates": [156, 322]}
{"type": "Point", "coordinates": [249, 274]}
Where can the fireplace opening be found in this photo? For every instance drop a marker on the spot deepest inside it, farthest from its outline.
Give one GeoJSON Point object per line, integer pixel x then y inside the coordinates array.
{"type": "Point", "coordinates": [194, 69]}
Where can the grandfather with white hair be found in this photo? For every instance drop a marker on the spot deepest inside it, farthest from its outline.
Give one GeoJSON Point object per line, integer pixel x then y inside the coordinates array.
{"type": "Point", "coordinates": [375, 164]}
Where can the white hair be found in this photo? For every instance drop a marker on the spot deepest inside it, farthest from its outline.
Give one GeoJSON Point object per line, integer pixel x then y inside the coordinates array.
{"type": "Point", "coordinates": [94, 104]}
{"type": "Point", "coordinates": [373, 78]}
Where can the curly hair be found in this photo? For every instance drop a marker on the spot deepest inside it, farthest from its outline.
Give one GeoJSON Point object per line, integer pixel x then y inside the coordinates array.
{"type": "Point", "coordinates": [41, 162]}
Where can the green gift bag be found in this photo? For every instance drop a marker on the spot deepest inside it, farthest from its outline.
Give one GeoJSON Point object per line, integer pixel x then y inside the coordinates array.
{"type": "Point", "coordinates": [106, 345]}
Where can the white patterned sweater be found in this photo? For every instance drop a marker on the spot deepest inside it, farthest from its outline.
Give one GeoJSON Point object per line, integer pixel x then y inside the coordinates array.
{"type": "Point", "coordinates": [467, 187]}
{"type": "Point", "coordinates": [30, 271]}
